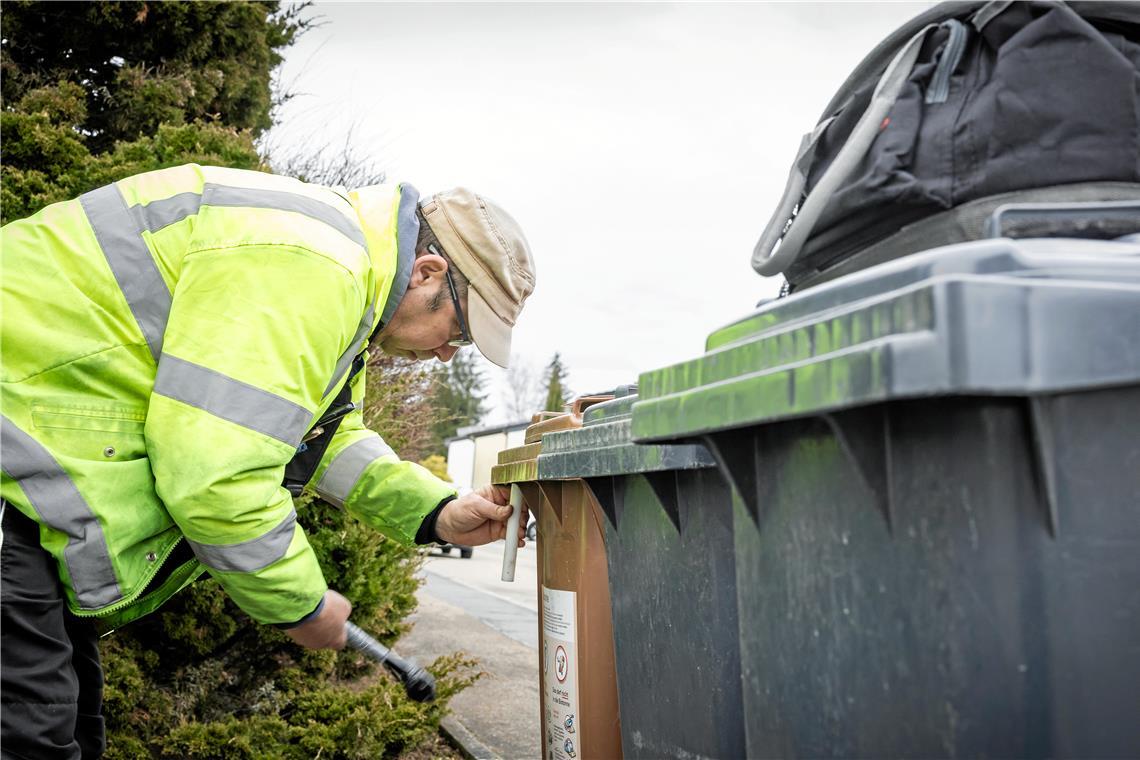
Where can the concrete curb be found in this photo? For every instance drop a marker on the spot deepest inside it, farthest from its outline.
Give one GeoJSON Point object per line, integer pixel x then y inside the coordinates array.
{"type": "Point", "coordinates": [470, 747]}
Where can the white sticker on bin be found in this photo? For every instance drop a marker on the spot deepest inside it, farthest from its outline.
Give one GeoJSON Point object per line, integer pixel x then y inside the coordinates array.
{"type": "Point", "coordinates": [560, 674]}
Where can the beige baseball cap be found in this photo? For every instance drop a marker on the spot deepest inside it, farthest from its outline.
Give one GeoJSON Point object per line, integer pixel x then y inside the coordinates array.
{"type": "Point", "coordinates": [488, 247]}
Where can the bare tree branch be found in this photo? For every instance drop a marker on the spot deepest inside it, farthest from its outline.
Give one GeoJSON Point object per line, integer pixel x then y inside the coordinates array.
{"type": "Point", "coordinates": [523, 393]}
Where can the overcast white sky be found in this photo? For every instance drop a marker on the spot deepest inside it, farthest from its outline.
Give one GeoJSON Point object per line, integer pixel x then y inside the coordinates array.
{"type": "Point", "coordinates": [642, 147]}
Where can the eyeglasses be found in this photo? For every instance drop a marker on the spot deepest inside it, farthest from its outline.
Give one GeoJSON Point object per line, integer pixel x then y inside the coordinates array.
{"type": "Point", "coordinates": [464, 338]}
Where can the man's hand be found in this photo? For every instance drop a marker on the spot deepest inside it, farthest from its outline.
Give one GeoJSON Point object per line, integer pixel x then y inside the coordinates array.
{"type": "Point", "coordinates": [326, 630]}
{"type": "Point", "coordinates": [479, 518]}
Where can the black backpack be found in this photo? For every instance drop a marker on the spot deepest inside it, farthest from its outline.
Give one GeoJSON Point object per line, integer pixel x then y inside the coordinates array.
{"type": "Point", "coordinates": [967, 108]}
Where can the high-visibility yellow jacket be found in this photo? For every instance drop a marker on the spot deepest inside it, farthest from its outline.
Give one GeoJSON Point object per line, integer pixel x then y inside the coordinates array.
{"type": "Point", "coordinates": [167, 343]}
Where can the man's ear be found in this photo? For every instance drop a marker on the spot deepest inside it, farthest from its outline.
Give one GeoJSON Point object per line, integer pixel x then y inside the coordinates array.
{"type": "Point", "coordinates": [427, 269]}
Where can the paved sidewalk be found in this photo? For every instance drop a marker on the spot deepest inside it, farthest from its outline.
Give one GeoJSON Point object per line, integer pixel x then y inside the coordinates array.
{"type": "Point", "coordinates": [498, 717]}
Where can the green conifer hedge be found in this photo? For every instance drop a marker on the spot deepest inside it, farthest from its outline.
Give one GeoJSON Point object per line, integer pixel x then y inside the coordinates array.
{"type": "Point", "coordinates": [199, 679]}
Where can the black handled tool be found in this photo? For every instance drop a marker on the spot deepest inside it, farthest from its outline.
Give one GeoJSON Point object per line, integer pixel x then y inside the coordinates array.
{"type": "Point", "coordinates": [418, 683]}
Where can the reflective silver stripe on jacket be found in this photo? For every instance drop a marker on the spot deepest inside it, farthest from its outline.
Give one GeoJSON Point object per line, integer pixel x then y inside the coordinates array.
{"type": "Point", "coordinates": [232, 400]}
{"type": "Point", "coordinates": [131, 262]}
{"type": "Point", "coordinates": [156, 215]}
{"type": "Point", "coordinates": [347, 467]}
{"type": "Point", "coordinates": [119, 228]}
{"type": "Point", "coordinates": [221, 195]}
{"type": "Point", "coordinates": [252, 555]}
{"type": "Point", "coordinates": [60, 506]}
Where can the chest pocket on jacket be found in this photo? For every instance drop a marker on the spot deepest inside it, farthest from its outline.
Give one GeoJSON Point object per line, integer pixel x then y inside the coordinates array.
{"type": "Point", "coordinates": [106, 433]}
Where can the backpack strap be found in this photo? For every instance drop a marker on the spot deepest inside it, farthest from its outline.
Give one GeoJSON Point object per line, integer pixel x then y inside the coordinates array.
{"type": "Point", "coordinates": [304, 463]}
{"type": "Point", "coordinates": [791, 232]}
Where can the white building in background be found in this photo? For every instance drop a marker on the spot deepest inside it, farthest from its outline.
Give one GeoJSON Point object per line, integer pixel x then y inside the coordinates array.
{"type": "Point", "coordinates": [474, 450]}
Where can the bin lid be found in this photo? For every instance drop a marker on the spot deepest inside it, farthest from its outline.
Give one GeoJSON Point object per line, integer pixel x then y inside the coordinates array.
{"type": "Point", "coordinates": [519, 464]}
{"type": "Point", "coordinates": [602, 446]}
{"type": "Point", "coordinates": [990, 317]}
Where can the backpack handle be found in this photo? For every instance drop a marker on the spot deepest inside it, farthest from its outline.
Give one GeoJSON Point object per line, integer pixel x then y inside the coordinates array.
{"type": "Point", "coordinates": [791, 232]}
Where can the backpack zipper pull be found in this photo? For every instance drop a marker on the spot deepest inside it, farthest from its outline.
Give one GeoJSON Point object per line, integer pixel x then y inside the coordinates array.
{"type": "Point", "coordinates": [939, 89]}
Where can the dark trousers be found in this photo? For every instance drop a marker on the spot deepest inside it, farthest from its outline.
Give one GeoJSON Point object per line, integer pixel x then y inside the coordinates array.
{"type": "Point", "coordinates": [51, 683]}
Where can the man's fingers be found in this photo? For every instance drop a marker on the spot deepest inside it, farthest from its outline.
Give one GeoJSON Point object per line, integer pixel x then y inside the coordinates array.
{"type": "Point", "coordinates": [479, 509]}
{"type": "Point", "coordinates": [496, 494]}
{"type": "Point", "coordinates": [498, 532]}
{"type": "Point", "coordinates": [486, 508]}
{"type": "Point", "coordinates": [476, 520]}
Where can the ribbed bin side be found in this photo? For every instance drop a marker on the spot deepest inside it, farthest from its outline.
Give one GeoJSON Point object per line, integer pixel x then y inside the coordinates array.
{"type": "Point", "coordinates": [673, 593]}
{"type": "Point", "coordinates": [668, 535]}
{"type": "Point", "coordinates": [971, 617]}
{"type": "Point", "coordinates": [937, 539]}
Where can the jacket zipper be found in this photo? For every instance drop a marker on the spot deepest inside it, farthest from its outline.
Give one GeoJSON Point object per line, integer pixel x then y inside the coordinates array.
{"type": "Point", "coordinates": [134, 596]}
{"type": "Point", "coordinates": [939, 89]}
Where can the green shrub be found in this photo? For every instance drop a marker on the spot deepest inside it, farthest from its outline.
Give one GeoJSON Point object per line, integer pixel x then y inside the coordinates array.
{"type": "Point", "coordinates": [199, 679]}
{"type": "Point", "coordinates": [46, 161]}
{"type": "Point", "coordinates": [436, 465]}
{"type": "Point", "coordinates": [328, 722]}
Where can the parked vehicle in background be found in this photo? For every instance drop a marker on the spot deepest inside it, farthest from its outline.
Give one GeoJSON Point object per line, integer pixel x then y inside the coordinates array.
{"type": "Point", "coordinates": [464, 551]}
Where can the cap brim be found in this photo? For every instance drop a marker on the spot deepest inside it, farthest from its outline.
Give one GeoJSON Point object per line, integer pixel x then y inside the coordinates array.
{"type": "Point", "coordinates": [492, 335]}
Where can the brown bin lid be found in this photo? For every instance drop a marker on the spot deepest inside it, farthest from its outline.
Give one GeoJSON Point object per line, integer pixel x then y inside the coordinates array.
{"type": "Point", "coordinates": [520, 463]}
{"type": "Point", "coordinates": [548, 422]}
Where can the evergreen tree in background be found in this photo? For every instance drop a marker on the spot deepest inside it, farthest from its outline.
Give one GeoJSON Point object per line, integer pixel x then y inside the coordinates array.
{"type": "Point", "coordinates": [94, 92]}
{"type": "Point", "coordinates": [459, 395]}
{"type": "Point", "coordinates": [557, 392]}
{"type": "Point", "coordinates": [142, 64]}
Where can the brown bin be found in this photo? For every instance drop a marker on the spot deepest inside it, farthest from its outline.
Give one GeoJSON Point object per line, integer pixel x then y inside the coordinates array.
{"type": "Point", "coordinates": [577, 677]}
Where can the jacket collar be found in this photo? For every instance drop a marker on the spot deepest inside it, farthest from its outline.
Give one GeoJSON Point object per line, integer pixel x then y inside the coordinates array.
{"type": "Point", "coordinates": [385, 211]}
{"type": "Point", "coordinates": [407, 233]}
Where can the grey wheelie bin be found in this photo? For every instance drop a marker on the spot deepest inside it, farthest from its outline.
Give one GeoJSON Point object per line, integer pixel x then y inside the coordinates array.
{"type": "Point", "coordinates": [668, 544]}
{"type": "Point", "coordinates": [940, 463]}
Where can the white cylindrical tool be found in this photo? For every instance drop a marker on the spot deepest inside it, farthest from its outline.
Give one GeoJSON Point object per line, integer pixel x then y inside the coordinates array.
{"type": "Point", "coordinates": [511, 547]}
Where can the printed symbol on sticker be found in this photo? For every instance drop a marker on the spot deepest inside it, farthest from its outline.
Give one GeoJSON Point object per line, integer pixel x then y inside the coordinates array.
{"type": "Point", "coordinates": [569, 723]}
{"type": "Point", "coordinates": [561, 664]}
{"type": "Point", "coordinates": [569, 747]}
